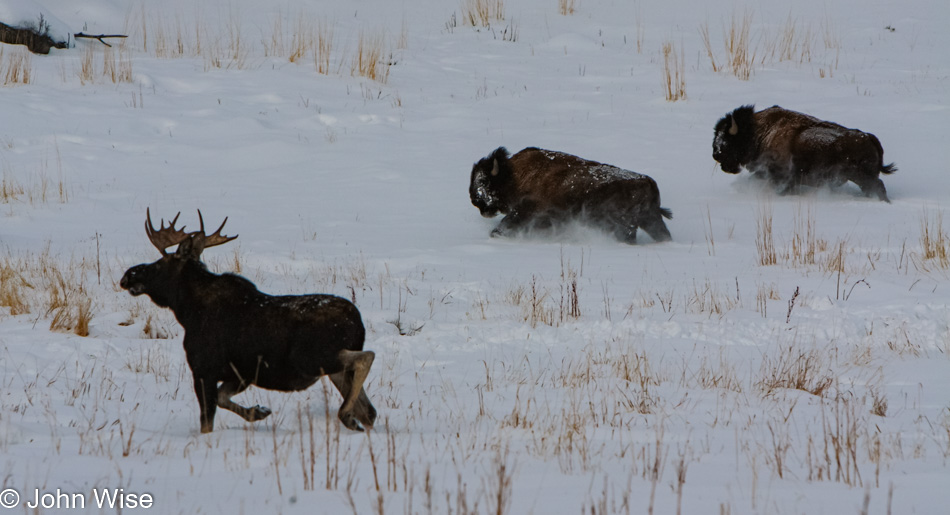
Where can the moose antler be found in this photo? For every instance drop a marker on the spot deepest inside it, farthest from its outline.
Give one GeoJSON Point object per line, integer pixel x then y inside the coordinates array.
{"type": "Point", "coordinates": [215, 238]}
{"type": "Point", "coordinates": [164, 237]}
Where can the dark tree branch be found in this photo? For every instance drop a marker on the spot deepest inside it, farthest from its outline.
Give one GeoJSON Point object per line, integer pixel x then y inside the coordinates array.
{"type": "Point", "coordinates": [99, 37]}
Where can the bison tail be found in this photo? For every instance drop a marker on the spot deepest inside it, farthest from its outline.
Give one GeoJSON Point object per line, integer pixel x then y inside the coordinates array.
{"type": "Point", "coordinates": [665, 211]}
{"type": "Point", "coordinates": [889, 169]}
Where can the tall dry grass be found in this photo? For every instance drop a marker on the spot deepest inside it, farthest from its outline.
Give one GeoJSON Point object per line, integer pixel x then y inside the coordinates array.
{"type": "Point", "coordinates": [566, 7]}
{"type": "Point", "coordinates": [16, 67]}
{"type": "Point", "coordinates": [674, 72]}
{"type": "Point", "coordinates": [934, 242]}
{"type": "Point", "coordinates": [794, 40]}
{"type": "Point", "coordinates": [481, 13]}
{"type": "Point", "coordinates": [740, 53]}
{"type": "Point", "coordinates": [371, 59]}
{"type": "Point", "coordinates": [764, 237]}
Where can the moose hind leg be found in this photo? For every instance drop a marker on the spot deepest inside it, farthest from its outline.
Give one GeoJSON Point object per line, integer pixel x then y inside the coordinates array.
{"type": "Point", "coordinates": [364, 411]}
{"type": "Point", "coordinates": [356, 365]}
{"type": "Point", "coordinates": [231, 388]}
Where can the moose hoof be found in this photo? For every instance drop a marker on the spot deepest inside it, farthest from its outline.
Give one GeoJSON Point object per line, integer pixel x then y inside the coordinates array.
{"type": "Point", "coordinates": [349, 420]}
{"type": "Point", "coordinates": [368, 416]}
{"type": "Point", "coordinates": [259, 413]}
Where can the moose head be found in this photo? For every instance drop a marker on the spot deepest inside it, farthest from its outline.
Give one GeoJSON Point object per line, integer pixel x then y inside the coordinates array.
{"type": "Point", "coordinates": [159, 280]}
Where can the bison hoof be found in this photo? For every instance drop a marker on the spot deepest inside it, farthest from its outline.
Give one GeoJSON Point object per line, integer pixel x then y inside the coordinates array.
{"type": "Point", "coordinates": [260, 413]}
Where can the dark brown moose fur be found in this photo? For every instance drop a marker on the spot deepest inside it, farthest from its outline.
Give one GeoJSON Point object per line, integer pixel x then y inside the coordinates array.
{"type": "Point", "coordinates": [792, 149]}
{"type": "Point", "coordinates": [537, 188]}
{"type": "Point", "coordinates": [237, 336]}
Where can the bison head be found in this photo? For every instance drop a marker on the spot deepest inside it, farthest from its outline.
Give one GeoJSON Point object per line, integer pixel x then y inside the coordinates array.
{"type": "Point", "coordinates": [489, 183]}
{"type": "Point", "coordinates": [734, 139]}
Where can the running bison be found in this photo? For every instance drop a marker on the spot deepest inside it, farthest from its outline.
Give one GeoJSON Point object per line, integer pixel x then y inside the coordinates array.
{"type": "Point", "coordinates": [792, 149]}
{"type": "Point", "coordinates": [538, 188]}
{"type": "Point", "coordinates": [237, 336]}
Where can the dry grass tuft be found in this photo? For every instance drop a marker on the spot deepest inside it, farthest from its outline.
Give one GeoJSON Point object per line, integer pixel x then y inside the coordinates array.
{"type": "Point", "coordinates": [371, 59]}
{"type": "Point", "coordinates": [792, 43]}
{"type": "Point", "coordinates": [481, 13]}
{"type": "Point", "coordinates": [323, 47]}
{"type": "Point", "coordinates": [795, 369]}
{"type": "Point", "coordinates": [764, 239]}
{"type": "Point", "coordinates": [674, 73]}
{"type": "Point", "coordinates": [10, 188]}
{"type": "Point", "coordinates": [16, 68]}
{"type": "Point", "coordinates": [12, 286]}
{"type": "Point", "coordinates": [934, 242]}
{"type": "Point", "coordinates": [707, 43]}
{"type": "Point", "coordinates": [566, 7]}
{"type": "Point", "coordinates": [738, 39]}
{"type": "Point", "coordinates": [805, 245]}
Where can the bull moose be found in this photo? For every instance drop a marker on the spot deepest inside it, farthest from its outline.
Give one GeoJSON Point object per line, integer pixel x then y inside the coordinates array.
{"type": "Point", "coordinates": [238, 337]}
{"type": "Point", "coordinates": [541, 188]}
{"type": "Point", "coordinates": [792, 149]}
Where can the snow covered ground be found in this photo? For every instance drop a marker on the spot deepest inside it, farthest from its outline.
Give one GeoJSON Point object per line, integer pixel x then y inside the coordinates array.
{"type": "Point", "coordinates": [512, 376]}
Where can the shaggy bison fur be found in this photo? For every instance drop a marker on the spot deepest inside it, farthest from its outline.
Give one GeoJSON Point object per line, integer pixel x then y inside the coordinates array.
{"type": "Point", "coordinates": [537, 188]}
{"type": "Point", "coordinates": [792, 150]}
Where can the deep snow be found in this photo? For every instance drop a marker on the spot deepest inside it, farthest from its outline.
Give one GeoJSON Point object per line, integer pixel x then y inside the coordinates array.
{"type": "Point", "coordinates": [337, 183]}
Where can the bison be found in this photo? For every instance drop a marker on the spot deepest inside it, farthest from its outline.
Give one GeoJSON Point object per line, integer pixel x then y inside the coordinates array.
{"type": "Point", "coordinates": [540, 188]}
{"type": "Point", "coordinates": [237, 336]}
{"type": "Point", "coordinates": [793, 149]}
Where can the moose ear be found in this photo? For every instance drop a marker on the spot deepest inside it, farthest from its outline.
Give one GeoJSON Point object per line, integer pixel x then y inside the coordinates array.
{"type": "Point", "coordinates": [188, 249]}
{"type": "Point", "coordinates": [494, 169]}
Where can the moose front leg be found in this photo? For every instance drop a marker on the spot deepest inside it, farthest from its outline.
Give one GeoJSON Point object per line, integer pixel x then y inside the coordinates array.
{"type": "Point", "coordinates": [231, 388]}
{"type": "Point", "coordinates": [207, 392]}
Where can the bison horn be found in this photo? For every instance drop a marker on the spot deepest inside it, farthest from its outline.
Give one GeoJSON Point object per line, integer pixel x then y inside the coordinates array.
{"type": "Point", "coordinates": [734, 129]}
{"type": "Point", "coordinates": [494, 170]}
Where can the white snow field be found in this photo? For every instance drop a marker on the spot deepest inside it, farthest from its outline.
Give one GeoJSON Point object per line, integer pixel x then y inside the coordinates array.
{"type": "Point", "coordinates": [782, 355]}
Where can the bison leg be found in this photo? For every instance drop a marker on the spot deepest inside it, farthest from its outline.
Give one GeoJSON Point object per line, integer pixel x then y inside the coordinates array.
{"type": "Point", "coordinates": [517, 219]}
{"type": "Point", "coordinates": [873, 186]}
{"type": "Point", "coordinates": [231, 388]}
{"type": "Point", "coordinates": [656, 228]}
{"type": "Point", "coordinates": [356, 365]}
